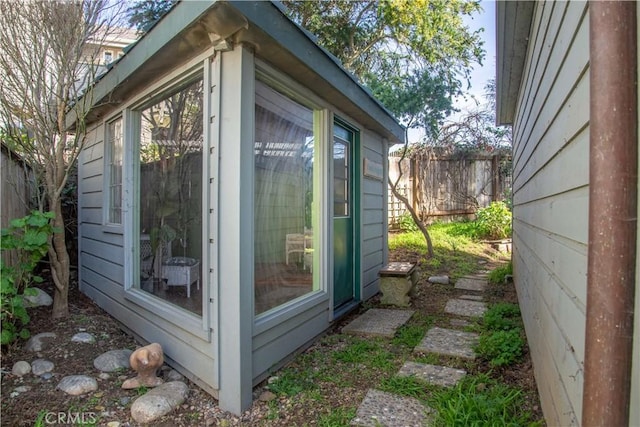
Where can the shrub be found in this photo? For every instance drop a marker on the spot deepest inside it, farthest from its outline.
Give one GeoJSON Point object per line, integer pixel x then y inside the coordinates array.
{"type": "Point", "coordinates": [498, 275]}
{"type": "Point", "coordinates": [502, 317]}
{"type": "Point", "coordinates": [501, 348]}
{"type": "Point", "coordinates": [29, 237]}
{"type": "Point", "coordinates": [406, 223]}
{"type": "Point", "coordinates": [494, 221]}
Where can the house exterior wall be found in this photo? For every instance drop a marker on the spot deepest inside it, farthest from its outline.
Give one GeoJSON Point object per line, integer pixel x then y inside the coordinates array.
{"type": "Point", "coordinates": [236, 349]}
{"type": "Point", "coordinates": [550, 203]}
{"type": "Point", "coordinates": [105, 263]}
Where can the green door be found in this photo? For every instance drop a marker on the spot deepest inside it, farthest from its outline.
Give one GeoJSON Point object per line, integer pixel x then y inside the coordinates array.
{"type": "Point", "coordinates": [343, 245]}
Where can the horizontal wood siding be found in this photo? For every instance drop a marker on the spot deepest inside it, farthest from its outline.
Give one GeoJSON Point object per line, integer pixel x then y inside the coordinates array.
{"type": "Point", "coordinates": [374, 213]}
{"type": "Point", "coordinates": [102, 275]}
{"type": "Point", "coordinates": [550, 197]}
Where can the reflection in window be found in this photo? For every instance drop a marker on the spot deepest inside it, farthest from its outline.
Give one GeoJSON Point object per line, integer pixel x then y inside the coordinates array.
{"type": "Point", "coordinates": [114, 171]}
{"type": "Point", "coordinates": [170, 171]}
{"type": "Point", "coordinates": [284, 196]}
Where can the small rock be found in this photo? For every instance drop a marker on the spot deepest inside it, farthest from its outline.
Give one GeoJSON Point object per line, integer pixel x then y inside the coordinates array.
{"type": "Point", "coordinates": [113, 424]}
{"type": "Point", "coordinates": [124, 401]}
{"type": "Point", "coordinates": [113, 360]}
{"type": "Point", "coordinates": [159, 401]}
{"type": "Point", "coordinates": [14, 394]}
{"type": "Point", "coordinates": [83, 337]}
{"type": "Point", "coordinates": [104, 376]}
{"type": "Point", "coordinates": [482, 262]}
{"type": "Point", "coordinates": [267, 396]}
{"type": "Point", "coordinates": [209, 421]}
{"type": "Point", "coordinates": [40, 341]}
{"type": "Point", "coordinates": [22, 389]}
{"type": "Point", "coordinates": [41, 298]}
{"type": "Point", "coordinates": [21, 368]}
{"type": "Point", "coordinates": [273, 379]}
{"type": "Point", "coordinates": [46, 376]}
{"type": "Point", "coordinates": [77, 384]}
{"type": "Point", "coordinates": [442, 280]}
{"type": "Point", "coordinates": [173, 375]}
{"type": "Point", "coordinates": [41, 366]}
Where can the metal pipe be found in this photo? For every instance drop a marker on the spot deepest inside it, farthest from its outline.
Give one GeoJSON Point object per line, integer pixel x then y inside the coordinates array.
{"type": "Point", "coordinates": [613, 190]}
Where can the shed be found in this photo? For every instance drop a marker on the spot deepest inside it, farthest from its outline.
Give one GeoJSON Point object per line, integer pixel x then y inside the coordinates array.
{"type": "Point", "coordinates": [567, 81]}
{"type": "Point", "coordinates": [232, 192]}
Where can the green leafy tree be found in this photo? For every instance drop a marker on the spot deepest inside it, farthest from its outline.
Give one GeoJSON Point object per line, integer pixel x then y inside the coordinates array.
{"type": "Point", "coordinates": [412, 54]}
{"type": "Point", "coordinates": [143, 14]}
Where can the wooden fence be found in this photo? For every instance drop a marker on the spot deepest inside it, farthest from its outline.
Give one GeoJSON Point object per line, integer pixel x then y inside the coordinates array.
{"type": "Point", "coordinates": [16, 192]}
{"type": "Point", "coordinates": [443, 185]}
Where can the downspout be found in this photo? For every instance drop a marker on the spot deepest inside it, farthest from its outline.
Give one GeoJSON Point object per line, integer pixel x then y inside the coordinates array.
{"type": "Point", "coordinates": [612, 213]}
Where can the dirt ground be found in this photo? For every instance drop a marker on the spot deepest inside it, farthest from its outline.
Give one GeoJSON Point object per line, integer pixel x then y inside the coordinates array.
{"type": "Point", "coordinates": [111, 403]}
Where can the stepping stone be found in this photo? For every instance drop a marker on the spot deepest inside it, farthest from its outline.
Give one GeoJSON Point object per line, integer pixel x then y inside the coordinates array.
{"type": "Point", "coordinates": [448, 342]}
{"type": "Point", "coordinates": [472, 297]}
{"type": "Point", "coordinates": [378, 322]}
{"type": "Point", "coordinates": [471, 284]}
{"type": "Point", "coordinates": [433, 374]}
{"type": "Point", "coordinates": [460, 322]}
{"type": "Point", "coordinates": [461, 307]}
{"type": "Point", "coordinates": [385, 409]}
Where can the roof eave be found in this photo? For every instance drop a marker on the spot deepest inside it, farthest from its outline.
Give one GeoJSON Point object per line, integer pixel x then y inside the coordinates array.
{"type": "Point", "coordinates": [296, 53]}
{"type": "Point", "coordinates": [514, 23]}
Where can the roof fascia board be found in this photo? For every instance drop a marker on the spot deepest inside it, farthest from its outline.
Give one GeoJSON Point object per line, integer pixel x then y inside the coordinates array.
{"type": "Point", "coordinates": [514, 25]}
{"type": "Point", "coordinates": [272, 21]}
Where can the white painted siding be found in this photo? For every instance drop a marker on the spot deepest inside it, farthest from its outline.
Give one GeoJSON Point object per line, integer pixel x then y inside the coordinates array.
{"type": "Point", "coordinates": [550, 194]}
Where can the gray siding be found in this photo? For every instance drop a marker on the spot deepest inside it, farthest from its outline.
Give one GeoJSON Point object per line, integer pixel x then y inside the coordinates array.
{"type": "Point", "coordinates": [102, 274]}
{"type": "Point", "coordinates": [550, 196]}
{"type": "Point", "coordinates": [373, 231]}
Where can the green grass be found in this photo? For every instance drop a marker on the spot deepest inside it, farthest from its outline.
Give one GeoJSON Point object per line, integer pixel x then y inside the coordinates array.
{"type": "Point", "coordinates": [497, 276]}
{"type": "Point", "coordinates": [406, 386]}
{"type": "Point", "coordinates": [338, 417]}
{"type": "Point", "coordinates": [479, 401]}
{"type": "Point", "coordinates": [456, 252]}
{"type": "Point", "coordinates": [292, 381]}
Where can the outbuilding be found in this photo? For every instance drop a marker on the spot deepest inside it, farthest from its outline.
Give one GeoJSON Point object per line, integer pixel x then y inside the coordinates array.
{"type": "Point", "coordinates": [232, 192]}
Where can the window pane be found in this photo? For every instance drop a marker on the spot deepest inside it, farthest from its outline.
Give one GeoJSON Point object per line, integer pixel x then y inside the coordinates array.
{"type": "Point", "coordinates": [284, 209]}
{"type": "Point", "coordinates": [170, 170]}
{"type": "Point", "coordinates": [340, 172]}
{"type": "Point", "coordinates": [114, 156]}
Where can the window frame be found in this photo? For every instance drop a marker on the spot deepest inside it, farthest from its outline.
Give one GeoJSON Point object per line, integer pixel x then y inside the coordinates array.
{"type": "Point", "coordinates": [323, 123]}
{"type": "Point", "coordinates": [198, 325]}
{"type": "Point", "coordinates": [108, 225]}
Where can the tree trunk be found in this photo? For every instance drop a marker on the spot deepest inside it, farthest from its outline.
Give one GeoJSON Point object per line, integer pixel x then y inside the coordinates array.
{"type": "Point", "coordinates": [414, 215]}
{"type": "Point", "coordinates": [60, 264]}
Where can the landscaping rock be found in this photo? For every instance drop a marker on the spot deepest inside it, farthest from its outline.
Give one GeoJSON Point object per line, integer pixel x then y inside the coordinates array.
{"type": "Point", "coordinates": [77, 384]}
{"type": "Point", "coordinates": [84, 337]}
{"type": "Point", "coordinates": [41, 366]}
{"type": "Point", "coordinates": [40, 341]}
{"type": "Point", "coordinates": [267, 396]}
{"type": "Point", "coordinates": [21, 368]}
{"type": "Point", "coordinates": [159, 401]}
{"type": "Point", "coordinates": [41, 298]}
{"type": "Point", "coordinates": [441, 280]}
{"type": "Point", "coordinates": [113, 360]}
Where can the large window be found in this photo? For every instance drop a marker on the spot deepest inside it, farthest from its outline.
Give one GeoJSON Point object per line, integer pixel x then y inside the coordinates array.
{"type": "Point", "coordinates": [170, 195]}
{"type": "Point", "coordinates": [285, 206]}
{"type": "Point", "coordinates": [113, 158]}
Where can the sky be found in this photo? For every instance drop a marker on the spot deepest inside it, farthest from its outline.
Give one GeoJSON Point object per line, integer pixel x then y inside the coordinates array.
{"type": "Point", "coordinates": [480, 74]}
